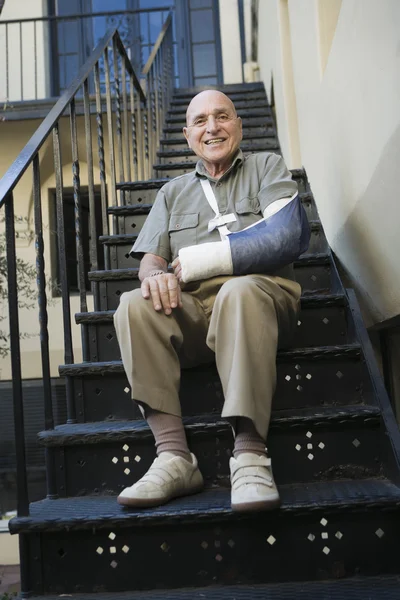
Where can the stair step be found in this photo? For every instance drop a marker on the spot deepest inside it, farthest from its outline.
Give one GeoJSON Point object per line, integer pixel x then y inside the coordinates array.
{"type": "Point", "coordinates": [179, 107]}
{"type": "Point", "coordinates": [87, 512]}
{"type": "Point", "coordinates": [248, 137]}
{"type": "Point", "coordinates": [120, 258]}
{"type": "Point", "coordinates": [252, 125]}
{"type": "Point", "coordinates": [314, 273]}
{"type": "Point", "coordinates": [305, 445]}
{"type": "Point", "coordinates": [143, 208]}
{"type": "Point", "coordinates": [348, 351]}
{"type": "Point", "coordinates": [297, 174]}
{"type": "Point", "coordinates": [124, 431]}
{"type": "Point", "coordinates": [324, 529]}
{"type": "Point", "coordinates": [268, 145]}
{"type": "Point", "coordinates": [228, 88]}
{"type": "Point", "coordinates": [356, 588]}
{"type": "Point", "coordinates": [307, 302]}
{"type": "Point", "coordinates": [253, 96]}
{"type": "Point", "coordinates": [308, 377]}
{"type": "Point", "coordinates": [322, 320]}
{"type": "Point", "coordinates": [263, 113]}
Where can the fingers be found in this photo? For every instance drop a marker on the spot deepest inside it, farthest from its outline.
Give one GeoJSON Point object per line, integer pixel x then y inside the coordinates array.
{"type": "Point", "coordinates": [164, 292]}
{"type": "Point", "coordinates": [177, 269]}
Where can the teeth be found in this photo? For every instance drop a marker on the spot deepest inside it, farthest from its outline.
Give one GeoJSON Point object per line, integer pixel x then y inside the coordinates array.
{"type": "Point", "coordinates": [215, 141]}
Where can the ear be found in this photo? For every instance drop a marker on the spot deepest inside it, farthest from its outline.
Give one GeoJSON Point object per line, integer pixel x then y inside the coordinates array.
{"type": "Point", "coordinates": [186, 134]}
{"type": "Point", "coordinates": [241, 127]}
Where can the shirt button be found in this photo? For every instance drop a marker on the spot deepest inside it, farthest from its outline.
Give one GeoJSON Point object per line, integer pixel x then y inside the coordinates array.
{"type": "Point", "coordinates": [177, 226]}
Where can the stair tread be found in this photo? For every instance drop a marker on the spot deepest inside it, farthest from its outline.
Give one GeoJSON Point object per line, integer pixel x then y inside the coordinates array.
{"type": "Point", "coordinates": [355, 588]}
{"type": "Point", "coordinates": [254, 135]}
{"type": "Point", "coordinates": [79, 433]}
{"type": "Point", "coordinates": [188, 152]}
{"type": "Point", "coordinates": [158, 183]}
{"type": "Point", "coordinates": [349, 351]}
{"type": "Point", "coordinates": [86, 512]}
{"type": "Point", "coordinates": [120, 238]}
{"type": "Point", "coordinates": [132, 273]}
{"type": "Point", "coordinates": [310, 301]}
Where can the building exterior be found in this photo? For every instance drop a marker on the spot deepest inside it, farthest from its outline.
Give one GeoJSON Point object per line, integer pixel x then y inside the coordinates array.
{"type": "Point", "coordinates": [331, 68]}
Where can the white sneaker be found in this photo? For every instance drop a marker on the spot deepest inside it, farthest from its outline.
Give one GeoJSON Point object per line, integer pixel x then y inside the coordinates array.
{"type": "Point", "coordinates": [169, 476]}
{"type": "Point", "coordinates": [253, 487]}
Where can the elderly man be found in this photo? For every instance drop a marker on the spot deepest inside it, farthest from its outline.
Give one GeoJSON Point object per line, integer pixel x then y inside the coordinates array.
{"type": "Point", "coordinates": [231, 229]}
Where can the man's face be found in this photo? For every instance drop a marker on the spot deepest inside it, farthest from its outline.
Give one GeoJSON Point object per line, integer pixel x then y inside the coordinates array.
{"type": "Point", "coordinates": [213, 130]}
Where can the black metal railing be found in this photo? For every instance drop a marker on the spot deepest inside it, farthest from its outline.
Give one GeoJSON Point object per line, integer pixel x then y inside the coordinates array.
{"type": "Point", "coordinates": [41, 55]}
{"type": "Point", "coordinates": [134, 111]}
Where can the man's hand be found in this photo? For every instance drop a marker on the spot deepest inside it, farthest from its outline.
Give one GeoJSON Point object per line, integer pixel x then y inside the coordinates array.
{"type": "Point", "coordinates": [176, 265]}
{"type": "Point", "coordinates": [164, 291]}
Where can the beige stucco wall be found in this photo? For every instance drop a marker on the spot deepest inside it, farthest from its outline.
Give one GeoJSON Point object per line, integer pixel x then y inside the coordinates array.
{"type": "Point", "coordinates": [27, 70]}
{"type": "Point", "coordinates": [230, 41]}
{"type": "Point", "coordinates": [346, 92]}
{"type": "Point", "coordinates": [14, 135]}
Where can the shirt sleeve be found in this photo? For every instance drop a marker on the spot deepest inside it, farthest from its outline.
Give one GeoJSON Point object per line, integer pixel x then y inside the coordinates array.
{"type": "Point", "coordinates": [276, 182]}
{"type": "Point", "coordinates": [154, 237]}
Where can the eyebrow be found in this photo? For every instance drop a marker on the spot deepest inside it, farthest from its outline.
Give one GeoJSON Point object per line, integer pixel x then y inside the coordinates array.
{"type": "Point", "coordinates": [216, 111]}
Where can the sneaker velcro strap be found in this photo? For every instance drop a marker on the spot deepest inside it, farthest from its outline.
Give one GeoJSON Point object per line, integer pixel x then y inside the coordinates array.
{"type": "Point", "coordinates": [251, 479]}
{"type": "Point", "coordinates": [260, 475]}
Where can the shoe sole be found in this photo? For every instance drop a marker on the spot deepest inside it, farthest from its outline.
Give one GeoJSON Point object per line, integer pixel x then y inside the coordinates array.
{"type": "Point", "coordinates": [256, 506]}
{"type": "Point", "coordinates": [152, 502]}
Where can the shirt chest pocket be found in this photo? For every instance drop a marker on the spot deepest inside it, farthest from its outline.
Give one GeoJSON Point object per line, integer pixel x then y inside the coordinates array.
{"type": "Point", "coordinates": [182, 229]}
{"type": "Point", "coordinates": [248, 205]}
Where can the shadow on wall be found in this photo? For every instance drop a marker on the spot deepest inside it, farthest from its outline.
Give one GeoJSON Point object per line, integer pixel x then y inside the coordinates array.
{"type": "Point", "coordinates": [368, 244]}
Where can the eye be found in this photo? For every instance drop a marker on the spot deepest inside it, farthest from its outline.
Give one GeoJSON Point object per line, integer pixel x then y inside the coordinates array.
{"type": "Point", "coordinates": [199, 122]}
{"type": "Point", "coordinates": [222, 118]}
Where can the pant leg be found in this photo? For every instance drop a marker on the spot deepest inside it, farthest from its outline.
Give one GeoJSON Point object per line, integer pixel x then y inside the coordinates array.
{"type": "Point", "coordinates": [154, 346]}
{"type": "Point", "coordinates": [251, 317]}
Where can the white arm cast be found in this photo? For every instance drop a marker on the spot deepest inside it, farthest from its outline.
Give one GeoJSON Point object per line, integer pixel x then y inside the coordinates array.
{"type": "Point", "coordinates": [205, 261]}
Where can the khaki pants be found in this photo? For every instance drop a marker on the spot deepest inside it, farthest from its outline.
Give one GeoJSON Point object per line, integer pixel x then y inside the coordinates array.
{"type": "Point", "coordinates": [239, 321]}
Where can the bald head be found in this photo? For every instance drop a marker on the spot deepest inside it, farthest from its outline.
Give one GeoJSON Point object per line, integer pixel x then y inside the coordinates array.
{"type": "Point", "coordinates": [208, 97]}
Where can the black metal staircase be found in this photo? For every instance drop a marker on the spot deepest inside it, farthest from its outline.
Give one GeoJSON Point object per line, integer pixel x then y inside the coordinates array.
{"type": "Point", "coordinates": [333, 441]}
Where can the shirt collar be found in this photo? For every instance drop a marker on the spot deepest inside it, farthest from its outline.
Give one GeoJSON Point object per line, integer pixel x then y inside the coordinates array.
{"type": "Point", "coordinates": [202, 171]}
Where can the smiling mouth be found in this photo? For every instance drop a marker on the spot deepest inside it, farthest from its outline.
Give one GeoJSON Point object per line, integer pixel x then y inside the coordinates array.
{"type": "Point", "coordinates": [214, 141]}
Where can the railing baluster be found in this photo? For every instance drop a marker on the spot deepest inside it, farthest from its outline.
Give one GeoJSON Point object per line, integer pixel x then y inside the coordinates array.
{"type": "Point", "coordinates": [43, 322]}
{"type": "Point", "coordinates": [110, 128]}
{"type": "Point", "coordinates": [94, 259]}
{"type": "Point", "coordinates": [140, 121]}
{"type": "Point", "coordinates": [76, 183]}
{"type": "Point", "coordinates": [134, 134]}
{"type": "Point", "coordinates": [118, 122]}
{"type": "Point", "coordinates": [22, 483]}
{"type": "Point", "coordinates": [68, 349]}
{"type": "Point", "coordinates": [100, 148]}
{"type": "Point", "coordinates": [126, 122]}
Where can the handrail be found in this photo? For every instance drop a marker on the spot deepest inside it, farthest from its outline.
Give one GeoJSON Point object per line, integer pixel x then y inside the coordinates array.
{"type": "Point", "coordinates": [157, 45]}
{"type": "Point", "coordinates": [88, 15]}
{"type": "Point", "coordinates": [22, 162]}
{"type": "Point", "coordinates": [133, 120]}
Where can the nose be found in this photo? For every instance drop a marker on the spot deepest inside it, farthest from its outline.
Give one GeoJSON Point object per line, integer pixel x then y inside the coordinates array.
{"type": "Point", "coordinates": [212, 124]}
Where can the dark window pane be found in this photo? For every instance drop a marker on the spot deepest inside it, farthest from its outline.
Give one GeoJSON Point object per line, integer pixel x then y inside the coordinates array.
{"type": "Point", "coordinates": [205, 81]}
{"type": "Point", "coordinates": [204, 63]}
{"type": "Point", "coordinates": [202, 26]}
{"type": "Point", "coordinates": [200, 3]}
{"type": "Point", "coordinates": [154, 3]}
{"type": "Point", "coordinates": [155, 26]}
